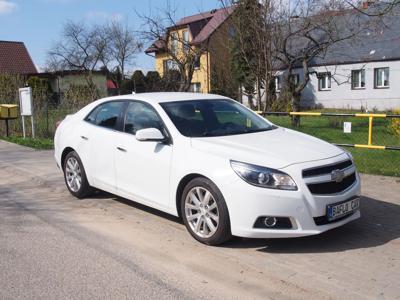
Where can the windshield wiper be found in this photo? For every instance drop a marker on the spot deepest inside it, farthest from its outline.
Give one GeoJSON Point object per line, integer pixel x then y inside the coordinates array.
{"type": "Point", "coordinates": [258, 130]}
{"type": "Point", "coordinates": [215, 133]}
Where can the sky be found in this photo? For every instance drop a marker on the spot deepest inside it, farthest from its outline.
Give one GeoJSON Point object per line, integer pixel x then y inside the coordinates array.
{"type": "Point", "coordinates": [38, 23]}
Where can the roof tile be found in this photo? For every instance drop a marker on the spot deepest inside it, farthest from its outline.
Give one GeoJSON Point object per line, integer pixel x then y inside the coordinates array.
{"type": "Point", "coordinates": [15, 59]}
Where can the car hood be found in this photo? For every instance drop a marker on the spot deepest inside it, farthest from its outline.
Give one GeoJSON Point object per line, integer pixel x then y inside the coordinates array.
{"type": "Point", "coordinates": [276, 148]}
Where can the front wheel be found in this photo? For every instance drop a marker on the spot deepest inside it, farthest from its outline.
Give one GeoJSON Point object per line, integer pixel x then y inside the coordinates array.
{"type": "Point", "coordinates": [205, 213]}
{"type": "Point", "coordinates": [75, 176]}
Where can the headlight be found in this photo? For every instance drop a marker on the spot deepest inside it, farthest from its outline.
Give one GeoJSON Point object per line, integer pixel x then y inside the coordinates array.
{"type": "Point", "coordinates": [350, 155]}
{"type": "Point", "coordinates": [263, 177]}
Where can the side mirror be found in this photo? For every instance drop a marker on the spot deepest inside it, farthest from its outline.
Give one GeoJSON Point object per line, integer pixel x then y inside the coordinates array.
{"type": "Point", "coordinates": [150, 135]}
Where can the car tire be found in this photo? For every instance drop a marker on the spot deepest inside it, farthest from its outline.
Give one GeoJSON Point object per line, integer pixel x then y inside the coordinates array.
{"type": "Point", "coordinates": [75, 176]}
{"type": "Point", "coordinates": [204, 212]}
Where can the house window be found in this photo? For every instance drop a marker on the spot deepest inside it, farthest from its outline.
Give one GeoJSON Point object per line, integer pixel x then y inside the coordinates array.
{"type": "Point", "coordinates": [195, 87]}
{"type": "Point", "coordinates": [381, 78]}
{"type": "Point", "coordinates": [169, 65]}
{"type": "Point", "coordinates": [186, 46]}
{"type": "Point", "coordinates": [358, 79]}
{"type": "Point", "coordinates": [277, 83]}
{"type": "Point", "coordinates": [324, 81]}
{"type": "Point", "coordinates": [231, 32]}
{"type": "Point", "coordinates": [174, 42]}
{"type": "Point", "coordinates": [294, 79]}
{"type": "Point", "coordinates": [196, 64]}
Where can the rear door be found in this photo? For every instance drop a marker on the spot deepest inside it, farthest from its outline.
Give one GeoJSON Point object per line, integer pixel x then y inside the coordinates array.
{"type": "Point", "coordinates": [106, 121]}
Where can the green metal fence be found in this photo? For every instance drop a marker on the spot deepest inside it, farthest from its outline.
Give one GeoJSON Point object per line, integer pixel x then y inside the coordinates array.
{"type": "Point", "coordinates": [372, 140]}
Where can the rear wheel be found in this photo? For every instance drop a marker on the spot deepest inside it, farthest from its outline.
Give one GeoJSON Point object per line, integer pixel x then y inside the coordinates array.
{"type": "Point", "coordinates": [204, 212]}
{"type": "Point", "coordinates": [75, 176]}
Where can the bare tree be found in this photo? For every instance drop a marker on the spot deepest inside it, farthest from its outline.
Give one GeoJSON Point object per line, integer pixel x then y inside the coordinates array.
{"type": "Point", "coordinates": [290, 35]}
{"type": "Point", "coordinates": [252, 55]}
{"type": "Point", "coordinates": [80, 48]}
{"type": "Point", "coordinates": [162, 31]}
{"type": "Point", "coordinates": [307, 31]}
{"type": "Point", "coordinates": [89, 48]}
{"type": "Point", "coordinates": [122, 45]}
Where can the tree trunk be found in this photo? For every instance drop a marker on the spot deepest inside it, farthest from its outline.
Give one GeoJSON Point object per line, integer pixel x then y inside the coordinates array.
{"type": "Point", "coordinates": [258, 95]}
{"type": "Point", "coordinates": [250, 99]}
{"type": "Point", "coordinates": [296, 108]}
{"type": "Point", "coordinates": [240, 94]}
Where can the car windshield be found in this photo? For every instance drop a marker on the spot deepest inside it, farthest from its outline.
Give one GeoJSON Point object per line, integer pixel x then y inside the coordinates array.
{"type": "Point", "coordinates": [207, 118]}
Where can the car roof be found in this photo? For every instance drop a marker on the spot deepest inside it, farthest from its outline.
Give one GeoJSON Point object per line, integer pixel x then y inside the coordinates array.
{"type": "Point", "coordinates": [165, 97]}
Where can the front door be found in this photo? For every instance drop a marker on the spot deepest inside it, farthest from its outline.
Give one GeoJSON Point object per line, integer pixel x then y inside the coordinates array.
{"type": "Point", "coordinates": [143, 167]}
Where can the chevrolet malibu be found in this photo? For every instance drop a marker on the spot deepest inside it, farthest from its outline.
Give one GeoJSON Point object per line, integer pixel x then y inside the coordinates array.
{"type": "Point", "coordinates": [211, 161]}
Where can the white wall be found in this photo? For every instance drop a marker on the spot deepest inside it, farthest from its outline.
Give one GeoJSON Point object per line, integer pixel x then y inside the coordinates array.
{"type": "Point", "coordinates": [342, 95]}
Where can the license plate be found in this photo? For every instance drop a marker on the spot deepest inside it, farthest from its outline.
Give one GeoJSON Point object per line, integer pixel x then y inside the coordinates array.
{"type": "Point", "coordinates": [338, 210]}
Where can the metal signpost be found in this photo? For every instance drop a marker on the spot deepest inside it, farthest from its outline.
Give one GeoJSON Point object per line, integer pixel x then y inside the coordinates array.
{"type": "Point", "coordinates": [25, 101]}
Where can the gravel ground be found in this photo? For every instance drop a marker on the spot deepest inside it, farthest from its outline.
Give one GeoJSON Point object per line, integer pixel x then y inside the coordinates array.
{"type": "Point", "coordinates": [54, 246]}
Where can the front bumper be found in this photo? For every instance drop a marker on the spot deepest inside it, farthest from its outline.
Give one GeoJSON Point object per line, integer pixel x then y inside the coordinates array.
{"type": "Point", "coordinates": [246, 203]}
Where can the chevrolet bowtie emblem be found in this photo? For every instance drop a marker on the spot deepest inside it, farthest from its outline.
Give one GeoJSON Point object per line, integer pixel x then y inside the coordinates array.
{"type": "Point", "coordinates": [337, 175]}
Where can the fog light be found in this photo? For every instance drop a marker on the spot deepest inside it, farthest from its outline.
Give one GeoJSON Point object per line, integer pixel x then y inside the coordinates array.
{"type": "Point", "coordinates": [270, 221]}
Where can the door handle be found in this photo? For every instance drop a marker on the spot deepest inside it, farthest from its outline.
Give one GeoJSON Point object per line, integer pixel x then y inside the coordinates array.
{"type": "Point", "coordinates": [121, 149]}
{"type": "Point", "coordinates": [84, 137]}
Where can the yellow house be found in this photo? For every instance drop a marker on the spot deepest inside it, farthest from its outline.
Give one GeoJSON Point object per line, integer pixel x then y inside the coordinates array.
{"type": "Point", "coordinates": [209, 31]}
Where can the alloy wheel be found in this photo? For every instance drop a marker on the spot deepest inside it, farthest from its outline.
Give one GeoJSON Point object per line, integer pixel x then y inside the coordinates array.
{"type": "Point", "coordinates": [73, 174]}
{"type": "Point", "coordinates": [201, 212]}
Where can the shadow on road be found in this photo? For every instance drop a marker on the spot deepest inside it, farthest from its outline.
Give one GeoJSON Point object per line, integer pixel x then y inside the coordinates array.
{"type": "Point", "coordinates": [379, 224]}
{"type": "Point", "coordinates": [104, 195]}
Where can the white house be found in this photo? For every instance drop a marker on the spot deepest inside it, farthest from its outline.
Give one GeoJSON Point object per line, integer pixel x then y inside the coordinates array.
{"type": "Point", "coordinates": [357, 73]}
{"type": "Point", "coordinates": [368, 85]}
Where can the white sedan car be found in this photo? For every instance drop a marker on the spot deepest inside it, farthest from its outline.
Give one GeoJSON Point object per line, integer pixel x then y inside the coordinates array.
{"type": "Point", "coordinates": [211, 161]}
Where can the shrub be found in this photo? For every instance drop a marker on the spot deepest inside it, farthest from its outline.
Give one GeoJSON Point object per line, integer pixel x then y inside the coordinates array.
{"type": "Point", "coordinates": [9, 85]}
{"type": "Point", "coordinates": [41, 91]}
{"type": "Point", "coordinates": [77, 96]}
{"type": "Point", "coordinates": [395, 124]}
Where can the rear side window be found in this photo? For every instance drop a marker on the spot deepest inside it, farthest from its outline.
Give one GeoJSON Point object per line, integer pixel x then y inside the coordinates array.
{"type": "Point", "coordinates": [106, 114]}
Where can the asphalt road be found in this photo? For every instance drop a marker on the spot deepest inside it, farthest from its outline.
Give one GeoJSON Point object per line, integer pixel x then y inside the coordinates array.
{"type": "Point", "coordinates": [53, 246]}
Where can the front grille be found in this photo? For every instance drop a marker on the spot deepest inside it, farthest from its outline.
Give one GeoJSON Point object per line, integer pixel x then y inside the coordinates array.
{"type": "Point", "coordinates": [332, 187]}
{"type": "Point", "coordinates": [327, 169]}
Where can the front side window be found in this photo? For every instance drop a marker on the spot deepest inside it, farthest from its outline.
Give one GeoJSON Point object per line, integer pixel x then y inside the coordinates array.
{"type": "Point", "coordinates": [324, 81]}
{"type": "Point", "coordinates": [141, 115]}
{"type": "Point", "coordinates": [381, 78]}
{"type": "Point", "coordinates": [208, 118]}
{"type": "Point", "coordinates": [358, 79]}
{"type": "Point", "coordinates": [106, 114]}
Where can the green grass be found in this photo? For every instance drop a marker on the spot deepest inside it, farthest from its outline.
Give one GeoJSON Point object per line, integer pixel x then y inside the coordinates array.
{"type": "Point", "coordinates": [37, 143]}
{"type": "Point", "coordinates": [380, 162]}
